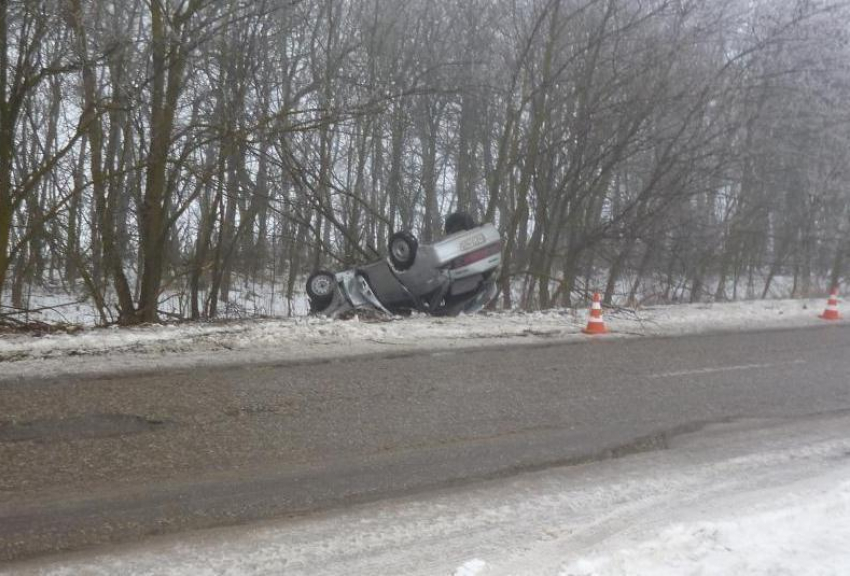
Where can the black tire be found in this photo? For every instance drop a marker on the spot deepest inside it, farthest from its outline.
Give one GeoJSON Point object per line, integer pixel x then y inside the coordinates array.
{"type": "Point", "coordinates": [402, 248]}
{"type": "Point", "coordinates": [320, 289]}
{"type": "Point", "coordinates": [459, 222]}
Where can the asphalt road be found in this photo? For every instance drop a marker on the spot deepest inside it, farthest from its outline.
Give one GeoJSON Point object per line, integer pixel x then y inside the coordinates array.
{"type": "Point", "coordinates": [91, 461]}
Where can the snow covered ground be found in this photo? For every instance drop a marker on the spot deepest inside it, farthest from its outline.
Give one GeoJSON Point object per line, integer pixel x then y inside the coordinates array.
{"type": "Point", "coordinates": [306, 338]}
{"type": "Point", "coordinates": [749, 498]}
{"type": "Point", "coordinates": [54, 302]}
{"type": "Point", "coordinates": [800, 533]}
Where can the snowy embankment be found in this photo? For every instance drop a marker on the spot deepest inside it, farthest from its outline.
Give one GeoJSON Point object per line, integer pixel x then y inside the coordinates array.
{"type": "Point", "coordinates": [309, 338]}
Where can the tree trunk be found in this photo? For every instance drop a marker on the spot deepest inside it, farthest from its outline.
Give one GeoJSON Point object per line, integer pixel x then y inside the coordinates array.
{"type": "Point", "coordinates": [167, 62]}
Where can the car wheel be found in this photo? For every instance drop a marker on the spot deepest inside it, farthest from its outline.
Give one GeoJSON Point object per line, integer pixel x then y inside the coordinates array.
{"type": "Point", "coordinates": [459, 222]}
{"type": "Point", "coordinates": [402, 248]}
{"type": "Point", "coordinates": [320, 289]}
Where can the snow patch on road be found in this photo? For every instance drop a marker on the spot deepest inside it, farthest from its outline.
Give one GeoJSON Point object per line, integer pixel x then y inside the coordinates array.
{"type": "Point", "coordinates": [471, 568]}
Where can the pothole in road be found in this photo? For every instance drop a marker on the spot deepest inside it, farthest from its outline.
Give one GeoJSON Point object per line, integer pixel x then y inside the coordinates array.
{"type": "Point", "coordinates": [78, 427]}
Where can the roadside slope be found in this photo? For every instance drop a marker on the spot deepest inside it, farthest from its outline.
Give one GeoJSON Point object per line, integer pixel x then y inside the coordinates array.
{"type": "Point", "coordinates": [186, 346]}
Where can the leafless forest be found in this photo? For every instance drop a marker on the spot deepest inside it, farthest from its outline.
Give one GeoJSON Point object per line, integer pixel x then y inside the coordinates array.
{"type": "Point", "coordinates": [158, 146]}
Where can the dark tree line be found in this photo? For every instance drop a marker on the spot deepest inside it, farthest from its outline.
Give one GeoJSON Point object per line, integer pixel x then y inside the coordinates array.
{"type": "Point", "coordinates": [662, 149]}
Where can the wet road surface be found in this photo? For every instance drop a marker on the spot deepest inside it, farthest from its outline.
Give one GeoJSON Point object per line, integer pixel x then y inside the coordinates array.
{"type": "Point", "coordinates": [90, 461]}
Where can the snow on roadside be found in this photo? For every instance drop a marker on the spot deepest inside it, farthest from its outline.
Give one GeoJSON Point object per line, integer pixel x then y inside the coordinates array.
{"type": "Point", "coordinates": [798, 535]}
{"type": "Point", "coordinates": [305, 338]}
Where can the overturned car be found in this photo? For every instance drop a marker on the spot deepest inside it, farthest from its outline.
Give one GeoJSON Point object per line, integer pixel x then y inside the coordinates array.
{"type": "Point", "coordinates": [453, 275]}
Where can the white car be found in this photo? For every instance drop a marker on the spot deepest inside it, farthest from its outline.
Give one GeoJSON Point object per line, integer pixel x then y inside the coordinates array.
{"type": "Point", "coordinates": [456, 274]}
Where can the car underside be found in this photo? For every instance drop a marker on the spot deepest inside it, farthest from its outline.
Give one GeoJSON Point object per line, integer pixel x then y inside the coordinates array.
{"type": "Point", "coordinates": [454, 275]}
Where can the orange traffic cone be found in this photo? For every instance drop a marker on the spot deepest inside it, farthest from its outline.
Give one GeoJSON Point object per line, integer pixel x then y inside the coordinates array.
{"type": "Point", "coordinates": [831, 312]}
{"type": "Point", "coordinates": [595, 324]}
